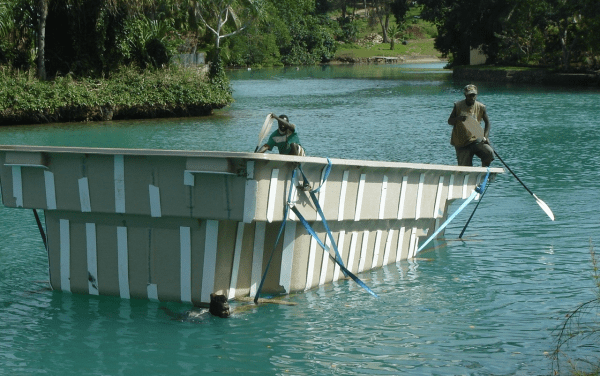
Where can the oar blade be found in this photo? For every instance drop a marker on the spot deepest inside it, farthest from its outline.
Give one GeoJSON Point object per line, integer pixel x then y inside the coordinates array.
{"type": "Point", "coordinates": [544, 207]}
{"type": "Point", "coordinates": [265, 129]}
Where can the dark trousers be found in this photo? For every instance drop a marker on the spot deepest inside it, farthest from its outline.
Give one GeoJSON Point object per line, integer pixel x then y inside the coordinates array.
{"type": "Point", "coordinates": [465, 154]}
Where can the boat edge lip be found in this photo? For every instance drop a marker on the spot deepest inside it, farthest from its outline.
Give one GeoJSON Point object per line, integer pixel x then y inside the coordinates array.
{"type": "Point", "coordinates": [244, 155]}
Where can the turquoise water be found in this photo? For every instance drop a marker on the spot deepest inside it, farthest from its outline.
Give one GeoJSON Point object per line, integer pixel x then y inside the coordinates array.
{"type": "Point", "coordinates": [487, 305]}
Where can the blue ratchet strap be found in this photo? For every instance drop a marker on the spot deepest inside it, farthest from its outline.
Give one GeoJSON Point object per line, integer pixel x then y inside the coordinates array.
{"type": "Point", "coordinates": [320, 211]}
{"type": "Point", "coordinates": [285, 215]}
{"type": "Point", "coordinates": [479, 189]}
{"type": "Point", "coordinates": [326, 249]}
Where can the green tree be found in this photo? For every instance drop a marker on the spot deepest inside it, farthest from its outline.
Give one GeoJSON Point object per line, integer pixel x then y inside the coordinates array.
{"type": "Point", "coordinates": [466, 24]}
{"type": "Point", "coordinates": [291, 32]}
{"type": "Point", "coordinates": [522, 38]}
{"type": "Point", "coordinates": [393, 32]}
{"type": "Point", "coordinates": [382, 12]}
{"type": "Point", "coordinates": [226, 18]}
{"type": "Point", "coordinates": [399, 9]}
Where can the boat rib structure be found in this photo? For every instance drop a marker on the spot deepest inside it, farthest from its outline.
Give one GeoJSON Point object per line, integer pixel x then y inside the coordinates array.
{"type": "Point", "coordinates": [170, 225]}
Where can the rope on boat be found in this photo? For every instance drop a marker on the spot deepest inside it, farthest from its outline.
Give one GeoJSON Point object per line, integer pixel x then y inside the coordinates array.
{"type": "Point", "coordinates": [479, 189]}
{"type": "Point", "coordinates": [326, 249]}
{"type": "Point", "coordinates": [320, 211]}
{"type": "Point", "coordinates": [290, 205]}
{"type": "Point", "coordinates": [283, 222]}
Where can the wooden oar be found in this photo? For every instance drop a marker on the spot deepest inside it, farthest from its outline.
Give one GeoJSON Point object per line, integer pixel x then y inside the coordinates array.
{"type": "Point", "coordinates": [539, 201]}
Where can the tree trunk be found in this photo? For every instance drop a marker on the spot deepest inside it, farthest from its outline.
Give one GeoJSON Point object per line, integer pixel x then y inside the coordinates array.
{"type": "Point", "coordinates": [566, 49]}
{"type": "Point", "coordinates": [41, 39]}
{"type": "Point", "coordinates": [385, 22]}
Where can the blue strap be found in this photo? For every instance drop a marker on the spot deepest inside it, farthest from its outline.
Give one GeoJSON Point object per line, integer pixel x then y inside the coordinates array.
{"type": "Point", "coordinates": [283, 222]}
{"type": "Point", "coordinates": [320, 211]}
{"type": "Point", "coordinates": [477, 190]}
{"type": "Point", "coordinates": [326, 249]}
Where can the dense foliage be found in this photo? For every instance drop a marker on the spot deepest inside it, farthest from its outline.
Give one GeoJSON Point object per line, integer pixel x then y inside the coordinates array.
{"type": "Point", "coordinates": [557, 33]}
{"type": "Point", "coordinates": [94, 38]}
{"type": "Point", "coordinates": [128, 94]}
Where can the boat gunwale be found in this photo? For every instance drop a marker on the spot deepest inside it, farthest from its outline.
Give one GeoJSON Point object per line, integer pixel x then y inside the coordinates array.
{"type": "Point", "coordinates": [244, 155]}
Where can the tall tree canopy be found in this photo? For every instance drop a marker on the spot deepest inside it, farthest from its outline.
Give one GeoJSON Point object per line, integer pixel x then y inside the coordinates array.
{"type": "Point", "coordinates": [550, 32]}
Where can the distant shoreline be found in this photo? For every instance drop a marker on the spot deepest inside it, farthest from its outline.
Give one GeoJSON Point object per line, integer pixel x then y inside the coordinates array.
{"type": "Point", "coordinates": [539, 76]}
{"type": "Point", "coordinates": [419, 59]}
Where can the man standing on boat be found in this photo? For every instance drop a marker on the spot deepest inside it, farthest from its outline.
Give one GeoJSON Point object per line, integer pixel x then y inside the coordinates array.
{"type": "Point", "coordinates": [468, 137]}
{"type": "Point", "coordinates": [284, 138]}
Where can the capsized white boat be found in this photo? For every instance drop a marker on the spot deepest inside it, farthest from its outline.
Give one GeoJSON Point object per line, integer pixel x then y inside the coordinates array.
{"type": "Point", "coordinates": [172, 225]}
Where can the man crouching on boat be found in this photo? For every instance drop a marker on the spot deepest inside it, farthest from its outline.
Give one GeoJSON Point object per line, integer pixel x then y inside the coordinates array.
{"type": "Point", "coordinates": [284, 138]}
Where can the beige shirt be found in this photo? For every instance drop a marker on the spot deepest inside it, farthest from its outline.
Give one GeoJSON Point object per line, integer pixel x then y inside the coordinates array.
{"type": "Point", "coordinates": [468, 131]}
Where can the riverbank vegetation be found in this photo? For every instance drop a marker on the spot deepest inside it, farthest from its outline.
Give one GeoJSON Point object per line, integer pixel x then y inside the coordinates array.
{"type": "Point", "coordinates": [558, 34]}
{"type": "Point", "coordinates": [95, 39]}
{"type": "Point", "coordinates": [128, 94]}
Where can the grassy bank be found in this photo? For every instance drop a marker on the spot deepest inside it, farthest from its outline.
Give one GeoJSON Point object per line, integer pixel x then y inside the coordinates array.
{"type": "Point", "coordinates": [418, 37]}
{"type": "Point", "coordinates": [129, 94]}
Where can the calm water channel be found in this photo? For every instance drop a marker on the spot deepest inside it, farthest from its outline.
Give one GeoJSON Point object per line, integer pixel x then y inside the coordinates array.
{"type": "Point", "coordinates": [485, 306]}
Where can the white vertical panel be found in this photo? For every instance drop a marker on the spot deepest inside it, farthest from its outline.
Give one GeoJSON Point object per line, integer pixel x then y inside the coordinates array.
{"type": "Point", "coordinates": [450, 187]}
{"type": "Point", "coordinates": [465, 187]}
{"type": "Point", "coordinates": [65, 255]}
{"type": "Point", "coordinates": [293, 197]}
{"type": "Point", "coordinates": [154, 194]}
{"type": "Point", "coordinates": [340, 244]}
{"type": "Point", "coordinates": [92, 258]}
{"type": "Point", "coordinates": [119, 175]}
{"type": "Point", "coordinates": [312, 255]}
{"type": "Point", "coordinates": [376, 249]}
{"type": "Point", "coordinates": [185, 263]}
{"type": "Point", "coordinates": [343, 195]}
{"type": "Point", "coordinates": [210, 260]}
{"type": "Point", "coordinates": [363, 251]}
{"type": "Point", "coordinates": [383, 196]}
{"type": "Point", "coordinates": [272, 194]}
{"type": "Point", "coordinates": [438, 199]}
{"type": "Point", "coordinates": [412, 243]}
{"type": "Point", "coordinates": [50, 190]}
{"type": "Point", "coordinates": [400, 243]}
{"type": "Point", "coordinates": [257, 257]}
{"type": "Point", "coordinates": [325, 262]}
{"type": "Point", "coordinates": [17, 186]}
{"type": "Point", "coordinates": [152, 291]}
{"type": "Point", "coordinates": [321, 197]}
{"type": "Point", "coordinates": [235, 269]}
{"type": "Point", "coordinates": [123, 262]}
{"type": "Point", "coordinates": [359, 196]}
{"type": "Point", "coordinates": [352, 250]}
{"type": "Point", "coordinates": [402, 197]}
{"type": "Point", "coordinates": [250, 193]}
{"type": "Point", "coordinates": [287, 256]}
{"type": "Point", "coordinates": [188, 178]}
{"type": "Point", "coordinates": [419, 196]}
{"type": "Point", "coordinates": [388, 246]}
{"type": "Point", "coordinates": [84, 195]}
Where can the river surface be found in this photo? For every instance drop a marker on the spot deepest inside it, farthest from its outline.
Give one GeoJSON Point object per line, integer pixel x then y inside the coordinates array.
{"type": "Point", "coordinates": [489, 305]}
